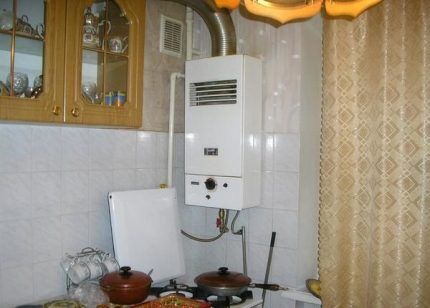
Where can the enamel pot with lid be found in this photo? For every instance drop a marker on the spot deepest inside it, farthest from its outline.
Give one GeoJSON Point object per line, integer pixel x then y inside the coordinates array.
{"type": "Point", "coordinates": [226, 283]}
{"type": "Point", "coordinates": [126, 287]}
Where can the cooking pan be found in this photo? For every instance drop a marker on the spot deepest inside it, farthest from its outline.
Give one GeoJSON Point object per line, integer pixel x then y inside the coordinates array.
{"type": "Point", "coordinates": [226, 283]}
{"type": "Point", "coordinates": [126, 287]}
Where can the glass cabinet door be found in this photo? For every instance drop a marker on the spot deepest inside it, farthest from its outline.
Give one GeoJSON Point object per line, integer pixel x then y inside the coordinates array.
{"type": "Point", "coordinates": [22, 32]}
{"type": "Point", "coordinates": [105, 33]}
{"type": "Point", "coordinates": [105, 38]}
{"type": "Point", "coordinates": [28, 47]}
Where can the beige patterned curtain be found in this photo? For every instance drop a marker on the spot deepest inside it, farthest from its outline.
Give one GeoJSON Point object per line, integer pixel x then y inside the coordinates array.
{"type": "Point", "coordinates": [375, 168]}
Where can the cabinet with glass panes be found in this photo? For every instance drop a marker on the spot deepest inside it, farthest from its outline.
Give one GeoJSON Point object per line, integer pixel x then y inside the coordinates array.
{"type": "Point", "coordinates": [77, 61]}
{"type": "Point", "coordinates": [104, 62]}
{"type": "Point", "coordinates": [32, 60]}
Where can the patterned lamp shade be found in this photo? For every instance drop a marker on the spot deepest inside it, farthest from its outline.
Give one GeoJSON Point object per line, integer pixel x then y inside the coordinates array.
{"type": "Point", "coordinates": [285, 11]}
{"type": "Point", "coordinates": [227, 4]}
{"type": "Point", "coordinates": [350, 8]}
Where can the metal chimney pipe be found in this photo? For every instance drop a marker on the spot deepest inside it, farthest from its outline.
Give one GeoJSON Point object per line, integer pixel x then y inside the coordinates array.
{"type": "Point", "coordinates": [219, 23]}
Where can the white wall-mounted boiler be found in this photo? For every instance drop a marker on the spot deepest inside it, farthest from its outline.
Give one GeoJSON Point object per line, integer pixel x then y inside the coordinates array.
{"type": "Point", "coordinates": [223, 106]}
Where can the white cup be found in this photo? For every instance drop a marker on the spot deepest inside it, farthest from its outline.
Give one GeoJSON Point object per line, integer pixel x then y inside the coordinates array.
{"type": "Point", "coordinates": [95, 268]}
{"type": "Point", "coordinates": [67, 262]}
{"type": "Point", "coordinates": [79, 272]}
{"type": "Point", "coordinates": [109, 264]}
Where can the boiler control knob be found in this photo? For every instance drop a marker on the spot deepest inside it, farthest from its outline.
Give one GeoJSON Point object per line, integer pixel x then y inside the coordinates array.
{"type": "Point", "coordinates": [210, 184]}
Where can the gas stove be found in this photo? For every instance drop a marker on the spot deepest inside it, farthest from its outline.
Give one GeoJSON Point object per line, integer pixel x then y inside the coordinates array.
{"type": "Point", "coordinates": [244, 300]}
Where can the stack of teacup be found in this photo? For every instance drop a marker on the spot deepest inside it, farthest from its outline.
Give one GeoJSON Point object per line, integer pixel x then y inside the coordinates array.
{"type": "Point", "coordinates": [89, 264]}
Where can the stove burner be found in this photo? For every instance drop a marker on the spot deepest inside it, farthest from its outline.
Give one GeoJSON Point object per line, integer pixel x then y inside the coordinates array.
{"type": "Point", "coordinates": [174, 288]}
{"type": "Point", "coordinates": [184, 293]}
{"type": "Point", "coordinates": [225, 301]}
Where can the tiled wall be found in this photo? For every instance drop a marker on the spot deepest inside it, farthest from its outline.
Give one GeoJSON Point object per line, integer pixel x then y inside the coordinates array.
{"type": "Point", "coordinates": [291, 99]}
{"type": "Point", "coordinates": [53, 187]}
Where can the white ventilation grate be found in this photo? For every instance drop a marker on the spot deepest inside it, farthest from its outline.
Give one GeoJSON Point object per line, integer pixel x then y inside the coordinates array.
{"type": "Point", "coordinates": [171, 36]}
{"type": "Point", "coordinates": [213, 92]}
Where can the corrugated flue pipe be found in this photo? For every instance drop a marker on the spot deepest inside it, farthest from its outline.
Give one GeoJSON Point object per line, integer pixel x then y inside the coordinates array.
{"type": "Point", "coordinates": [220, 25]}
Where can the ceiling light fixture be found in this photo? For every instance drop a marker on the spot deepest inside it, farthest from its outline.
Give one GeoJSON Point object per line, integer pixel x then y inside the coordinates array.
{"type": "Point", "coordinates": [285, 10]}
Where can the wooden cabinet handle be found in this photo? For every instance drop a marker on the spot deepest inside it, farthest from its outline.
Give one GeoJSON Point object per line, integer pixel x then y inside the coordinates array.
{"type": "Point", "coordinates": [56, 110]}
{"type": "Point", "coordinates": [75, 112]}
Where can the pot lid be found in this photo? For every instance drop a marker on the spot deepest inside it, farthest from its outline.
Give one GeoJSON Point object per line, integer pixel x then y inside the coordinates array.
{"type": "Point", "coordinates": [223, 278]}
{"type": "Point", "coordinates": [125, 278]}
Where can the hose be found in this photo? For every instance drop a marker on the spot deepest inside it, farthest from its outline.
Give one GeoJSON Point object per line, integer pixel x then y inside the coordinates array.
{"type": "Point", "coordinates": [233, 222]}
{"type": "Point", "coordinates": [222, 231]}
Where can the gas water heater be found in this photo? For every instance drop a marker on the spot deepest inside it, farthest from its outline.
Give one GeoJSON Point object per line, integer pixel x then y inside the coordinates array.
{"type": "Point", "coordinates": [223, 106]}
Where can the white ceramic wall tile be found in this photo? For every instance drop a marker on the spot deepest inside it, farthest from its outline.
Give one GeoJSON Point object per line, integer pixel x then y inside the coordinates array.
{"type": "Point", "coordinates": [179, 184]}
{"type": "Point", "coordinates": [48, 280]}
{"type": "Point", "coordinates": [161, 176]}
{"type": "Point", "coordinates": [102, 145]}
{"type": "Point", "coordinates": [46, 239]}
{"type": "Point", "coordinates": [46, 194]}
{"type": "Point", "coordinates": [146, 156]}
{"type": "Point", "coordinates": [268, 150]}
{"type": "Point", "coordinates": [267, 189]}
{"type": "Point", "coordinates": [16, 244]}
{"type": "Point", "coordinates": [161, 152]}
{"type": "Point", "coordinates": [75, 191]}
{"type": "Point", "coordinates": [234, 256]}
{"type": "Point", "coordinates": [101, 183]}
{"type": "Point", "coordinates": [286, 190]}
{"type": "Point", "coordinates": [199, 250]}
{"type": "Point", "coordinates": [74, 232]}
{"type": "Point", "coordinates": [285, 263]}
{"type": "Point", "coordinates": [179, 151]}
{"type": "Point", "coordinates": [195, 262]}
{"type": "Point", "coordinates": [277, 301]}
{"type": "Point", "coordinates": [75, 148]}
{"type": "Point", "coordinates": [216, 254]}
{"type": "Point", "coordinates": [257, 260]}
{"type": "Point", "coordinates": [193, 219]}
{"type": "Point", "coordinates": [285, 225]}
{"type": "Point", "coordinates": [15, 148]}
{"type": "Point", "coordinates": [100, 231]}
{"type": "Point", "coordinates": [124, 179]}
{"type": "Point", "coordinates": [15, 189]}
{"type": "Point", "coordinates": [260, 225]}
{"type": "Point", "coordinates": [16, 286]}
{"type": "Point", "coordinates": [125, 149]}
{"type": "Point", "coordinates": [287, 152]}
{"type": "Point", "coordinates": [46, 148]}
{"type": "Point", "coordinates": [146, 178]}
{"type": "Point", "coordinates": [1, 293]}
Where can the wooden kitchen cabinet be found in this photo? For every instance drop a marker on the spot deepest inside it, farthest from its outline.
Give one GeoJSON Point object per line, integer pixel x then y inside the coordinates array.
{"type": "Point", "coordinates": [112, 64]}
{"type": "Point", "coordinates": [27, 52]}
{"type": "Point", "coordinates": [91, 60]}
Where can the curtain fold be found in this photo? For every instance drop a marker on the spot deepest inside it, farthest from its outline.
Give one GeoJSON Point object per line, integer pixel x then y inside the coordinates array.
{"type": "Point", "coordinates": [375, 158]}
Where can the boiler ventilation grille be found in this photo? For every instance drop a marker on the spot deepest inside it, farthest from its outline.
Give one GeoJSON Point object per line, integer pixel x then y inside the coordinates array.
{"type": "Point", "coordinates": [219, 92]}
{"type": "Point", "coordinates": [171, 36]}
